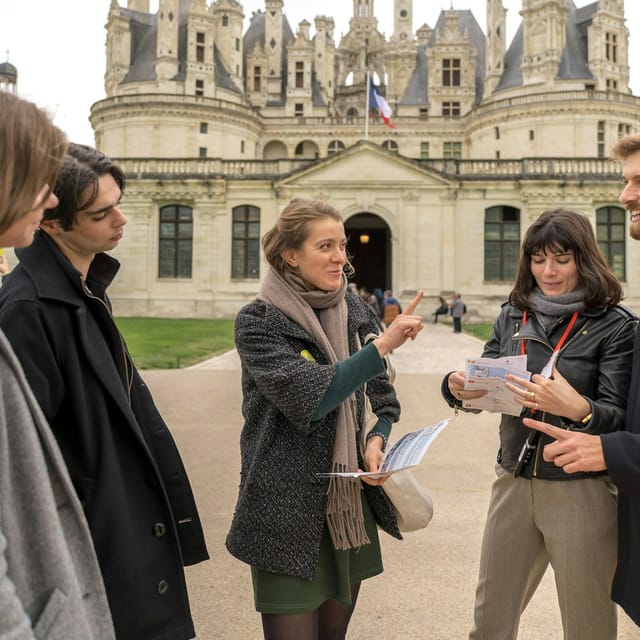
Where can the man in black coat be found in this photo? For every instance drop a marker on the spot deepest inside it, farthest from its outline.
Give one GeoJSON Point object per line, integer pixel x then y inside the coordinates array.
{"type": "Point", "coordinates": [121, 456]}
{"type": "Point", "coordinates": [619, 452]}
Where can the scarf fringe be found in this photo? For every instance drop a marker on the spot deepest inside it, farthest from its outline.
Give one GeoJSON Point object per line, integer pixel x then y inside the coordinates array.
{"type": "Point", "coordinates": [345, 518]}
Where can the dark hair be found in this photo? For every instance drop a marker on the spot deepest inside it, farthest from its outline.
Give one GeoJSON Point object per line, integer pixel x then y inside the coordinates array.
{"type": "Point", "coordinates": [31, 150]}
{"type": "Point", "coordinates": [625, 147]}
{"type": "Point", "coordinates": [292, 229]}
{"type": "Point", "coordinates": [78, 182]}
{"type": "Point", "coordinates": [565, 230]}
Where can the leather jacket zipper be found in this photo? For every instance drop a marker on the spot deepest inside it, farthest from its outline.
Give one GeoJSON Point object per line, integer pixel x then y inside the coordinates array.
{"type": "Point", "coordinates": [539, 447]}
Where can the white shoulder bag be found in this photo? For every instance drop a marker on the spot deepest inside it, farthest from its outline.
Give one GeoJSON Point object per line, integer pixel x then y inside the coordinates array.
{"type": "Point", "coordinates": [412, 504]}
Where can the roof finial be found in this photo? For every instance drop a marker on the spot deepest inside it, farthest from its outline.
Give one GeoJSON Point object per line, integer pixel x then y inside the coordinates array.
{"type": "Point", "coordinates": [7, 51]}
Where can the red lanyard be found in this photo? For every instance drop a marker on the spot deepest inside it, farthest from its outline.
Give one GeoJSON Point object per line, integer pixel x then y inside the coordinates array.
{"type": "Point", "coordinates": [574, 317]}
{"type": "Point", "coordinates": [548, 368]}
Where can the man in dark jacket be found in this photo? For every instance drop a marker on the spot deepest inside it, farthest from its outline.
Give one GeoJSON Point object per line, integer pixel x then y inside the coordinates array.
{"type": "Point", "coordinates": [619, 451]}
{"type": "Point", "coordinates": [121, 457]}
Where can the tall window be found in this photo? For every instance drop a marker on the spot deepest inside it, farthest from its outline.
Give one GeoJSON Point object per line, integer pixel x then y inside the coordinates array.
{"type": "Point", "coordinates": [299, 75]}
{"type": "Point", "coordinates": [256, 78]}
{"type": "Point", "coordinates": [450, 109]}
{"type": "Point", "coordinates": [611, 47]}
{"type": "Point", "coordinates": [225, 21]}
{"type": "Point", "coordinates": [199, 88]}
{"type": "Point", "coordinates": [452, 150]}
{"type": "Point", "coordinates": [610, 231]}
{"type": "Point", "coordinates": [176, 242]}
{"type": "Point", "coordinates": [623, 129]}
{"type": "Point", "coordinates": [501, 243]}
{"type": "Point", "coordinates": [199, 46]}
{"type": "Point", "coordinates": [424, 150]}
{"type": "Point", "coordinates": [600, 139]}
{"type": "Point", "coordinates": [451, 72]}
{"type": "Point", "coordinates": [245, 242]}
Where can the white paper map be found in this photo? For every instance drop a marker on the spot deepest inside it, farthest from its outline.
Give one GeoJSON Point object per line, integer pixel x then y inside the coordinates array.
{"type": "Point", "coordinates": [488, 374]}
{"type": "Point", "coordinates": [405, 453]}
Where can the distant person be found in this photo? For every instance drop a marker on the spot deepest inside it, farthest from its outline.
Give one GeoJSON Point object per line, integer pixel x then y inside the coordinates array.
{"type": "Point", "coordinates": [390, 307]}
{"type": "Point", "coordinates": [564, 315]}
{"type": "Point", "coordinates": [616, 452]}
{"type": "Point", "coordinates": [122, 458]}
{"type": "Point", "coordinates": [442, 310]}
{"type": "Point", "coordinates": [50, 582]}
{"type": "Point", "coordinates": [457, 310]}
{"type": "Point", "coordinates": [311, 541]}
{"type": "Point", "coordinates": [372, 301]}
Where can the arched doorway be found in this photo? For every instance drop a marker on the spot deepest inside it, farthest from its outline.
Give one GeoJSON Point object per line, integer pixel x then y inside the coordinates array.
{"type": "Point", "coordinates": [369, 246]}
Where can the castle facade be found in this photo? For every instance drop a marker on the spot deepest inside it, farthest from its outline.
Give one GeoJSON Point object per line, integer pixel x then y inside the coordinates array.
{"type": "Point", "coordinates": [218, 127]}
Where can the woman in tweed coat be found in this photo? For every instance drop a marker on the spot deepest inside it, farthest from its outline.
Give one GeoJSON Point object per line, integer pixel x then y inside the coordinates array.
{"type": "Point", "coordinates": [310, 541]}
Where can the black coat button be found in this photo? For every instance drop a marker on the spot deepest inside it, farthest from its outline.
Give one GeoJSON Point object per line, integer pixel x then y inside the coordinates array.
{"type": "Point", "coordinates": [163, 587]}
{"type": "Point", "coordinates": [159, 529]}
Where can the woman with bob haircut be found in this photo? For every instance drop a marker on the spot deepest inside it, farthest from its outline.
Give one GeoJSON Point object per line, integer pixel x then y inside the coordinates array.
{"type": "Point", "coordinates": [50, 582]}
{"type": "Point", "coordinates": [563, 313]}
{"type": "Point", "coordinates": [311, 540]}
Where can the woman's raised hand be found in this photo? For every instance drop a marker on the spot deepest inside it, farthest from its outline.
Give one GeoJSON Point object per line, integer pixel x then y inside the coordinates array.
{"type": "Point", "coordinates": [405, 326]}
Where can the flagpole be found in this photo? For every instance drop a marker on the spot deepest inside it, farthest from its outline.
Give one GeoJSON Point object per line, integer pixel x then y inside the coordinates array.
{"type": "Point", "coordinates": [367, 108]}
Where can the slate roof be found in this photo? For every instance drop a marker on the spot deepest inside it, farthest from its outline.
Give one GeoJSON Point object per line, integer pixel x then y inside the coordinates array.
{"type": "Point", "coordinates": [417, 92]}
{"type": "Point", "coordinates": [8, 71]}
{"type": "Point", "coordinates": [256, 34]}
{"type": "Point", "coordinates": [144, 41]}
{"type": "Point", "coordinates": [574, 62]}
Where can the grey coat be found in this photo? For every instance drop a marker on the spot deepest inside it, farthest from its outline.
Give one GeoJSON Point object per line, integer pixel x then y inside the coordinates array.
{"type": "Point", "coordinates": [281, 505]}
{"type": "Point", "coordinates": [50, 583]}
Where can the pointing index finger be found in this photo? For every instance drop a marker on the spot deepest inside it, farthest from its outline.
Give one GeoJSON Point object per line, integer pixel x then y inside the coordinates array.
{"type": "Point", "coordinates": [549, 429]}
{"type": "Point", "coordinates": [411, 307]}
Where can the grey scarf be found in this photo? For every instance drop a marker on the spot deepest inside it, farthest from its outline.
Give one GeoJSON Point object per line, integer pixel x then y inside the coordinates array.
{"type": "Point", "coordinates": [291, 295]}
{"type": "Point", "coordinates": [549, 308]}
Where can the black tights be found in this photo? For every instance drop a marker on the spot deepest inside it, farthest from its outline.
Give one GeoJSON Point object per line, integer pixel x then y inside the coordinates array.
{"type": "Point", "coordinates": [328, 622]}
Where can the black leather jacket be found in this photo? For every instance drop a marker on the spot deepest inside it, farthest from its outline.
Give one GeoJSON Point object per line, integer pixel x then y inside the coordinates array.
{"type": "Point", "coordinates": [595, 360]}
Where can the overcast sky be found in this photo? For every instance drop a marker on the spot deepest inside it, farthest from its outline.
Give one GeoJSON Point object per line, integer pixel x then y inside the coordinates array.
{"type": "Point", "coordinates": [59, 47]}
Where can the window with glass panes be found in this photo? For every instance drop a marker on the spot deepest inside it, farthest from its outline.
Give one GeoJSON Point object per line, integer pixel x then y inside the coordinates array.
{"type": "Point", "coordinates": [245, 242]}
{"type": "Point", "coordinates": [334, 147]}
{"type": "Point", "coordinates": [611, 235]}
{"type": "Point", "coordinates": [501, 243]}
{"type": "Point", "coordinates": [451, 72]}
{"type": "Point", "coordinates": [452, 150]}
{"type": "Point", "coordinates": [176, 242]}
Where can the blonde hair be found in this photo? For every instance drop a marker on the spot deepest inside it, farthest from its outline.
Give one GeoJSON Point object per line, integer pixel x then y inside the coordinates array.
{"type": "Point", "coordinates": [31, 148]}
{"type": "Point", "coordinates": [292, 229]}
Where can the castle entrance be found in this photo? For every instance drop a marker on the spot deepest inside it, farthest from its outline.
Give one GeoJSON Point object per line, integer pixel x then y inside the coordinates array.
{"type": "Point", "coordinates": [369, 248]}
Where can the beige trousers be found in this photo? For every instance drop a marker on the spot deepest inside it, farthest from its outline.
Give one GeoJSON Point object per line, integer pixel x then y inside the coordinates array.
{"type": "Point", "coordinates": [570, 524]}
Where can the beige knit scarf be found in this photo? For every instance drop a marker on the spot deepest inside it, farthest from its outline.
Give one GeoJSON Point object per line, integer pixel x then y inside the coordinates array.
{"type": "Point", "coordinates": [291, 295]}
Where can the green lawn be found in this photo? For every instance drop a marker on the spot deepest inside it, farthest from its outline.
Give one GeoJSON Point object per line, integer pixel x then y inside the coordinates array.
{"type": "Point", "coordinates": [167, 343]}
{"type": "Point", "coordinates": [481, 331]}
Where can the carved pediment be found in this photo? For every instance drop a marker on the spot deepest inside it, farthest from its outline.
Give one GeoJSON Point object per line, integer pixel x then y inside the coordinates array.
{"type": "Point", "coordinates": [361, 166]}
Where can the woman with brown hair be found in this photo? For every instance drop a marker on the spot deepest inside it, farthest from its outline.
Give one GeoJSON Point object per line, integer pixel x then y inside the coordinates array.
{"type": "Point", "coordinates": [310, 541]}
{"type": "Point", "coordinates": [564, 315]}
{"type": "Point", "coordinates": [50, 583]}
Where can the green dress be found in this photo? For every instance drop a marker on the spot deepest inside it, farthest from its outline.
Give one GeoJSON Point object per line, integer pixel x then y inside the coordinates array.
{"type": "Point", "coordinates": [336, 570]}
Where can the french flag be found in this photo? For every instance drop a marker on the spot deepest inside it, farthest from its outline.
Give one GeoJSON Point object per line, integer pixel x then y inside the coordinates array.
{"type": "Point", "coordinates": [376, 101]}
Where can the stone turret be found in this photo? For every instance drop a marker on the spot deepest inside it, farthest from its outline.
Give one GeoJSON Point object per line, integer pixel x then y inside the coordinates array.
{"type": "Point", "coordinates": [167, 45]}
{"type": "Point", "coordinates": [544, 25]}
{"type": "Point", "coordinates": [496, 45]}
